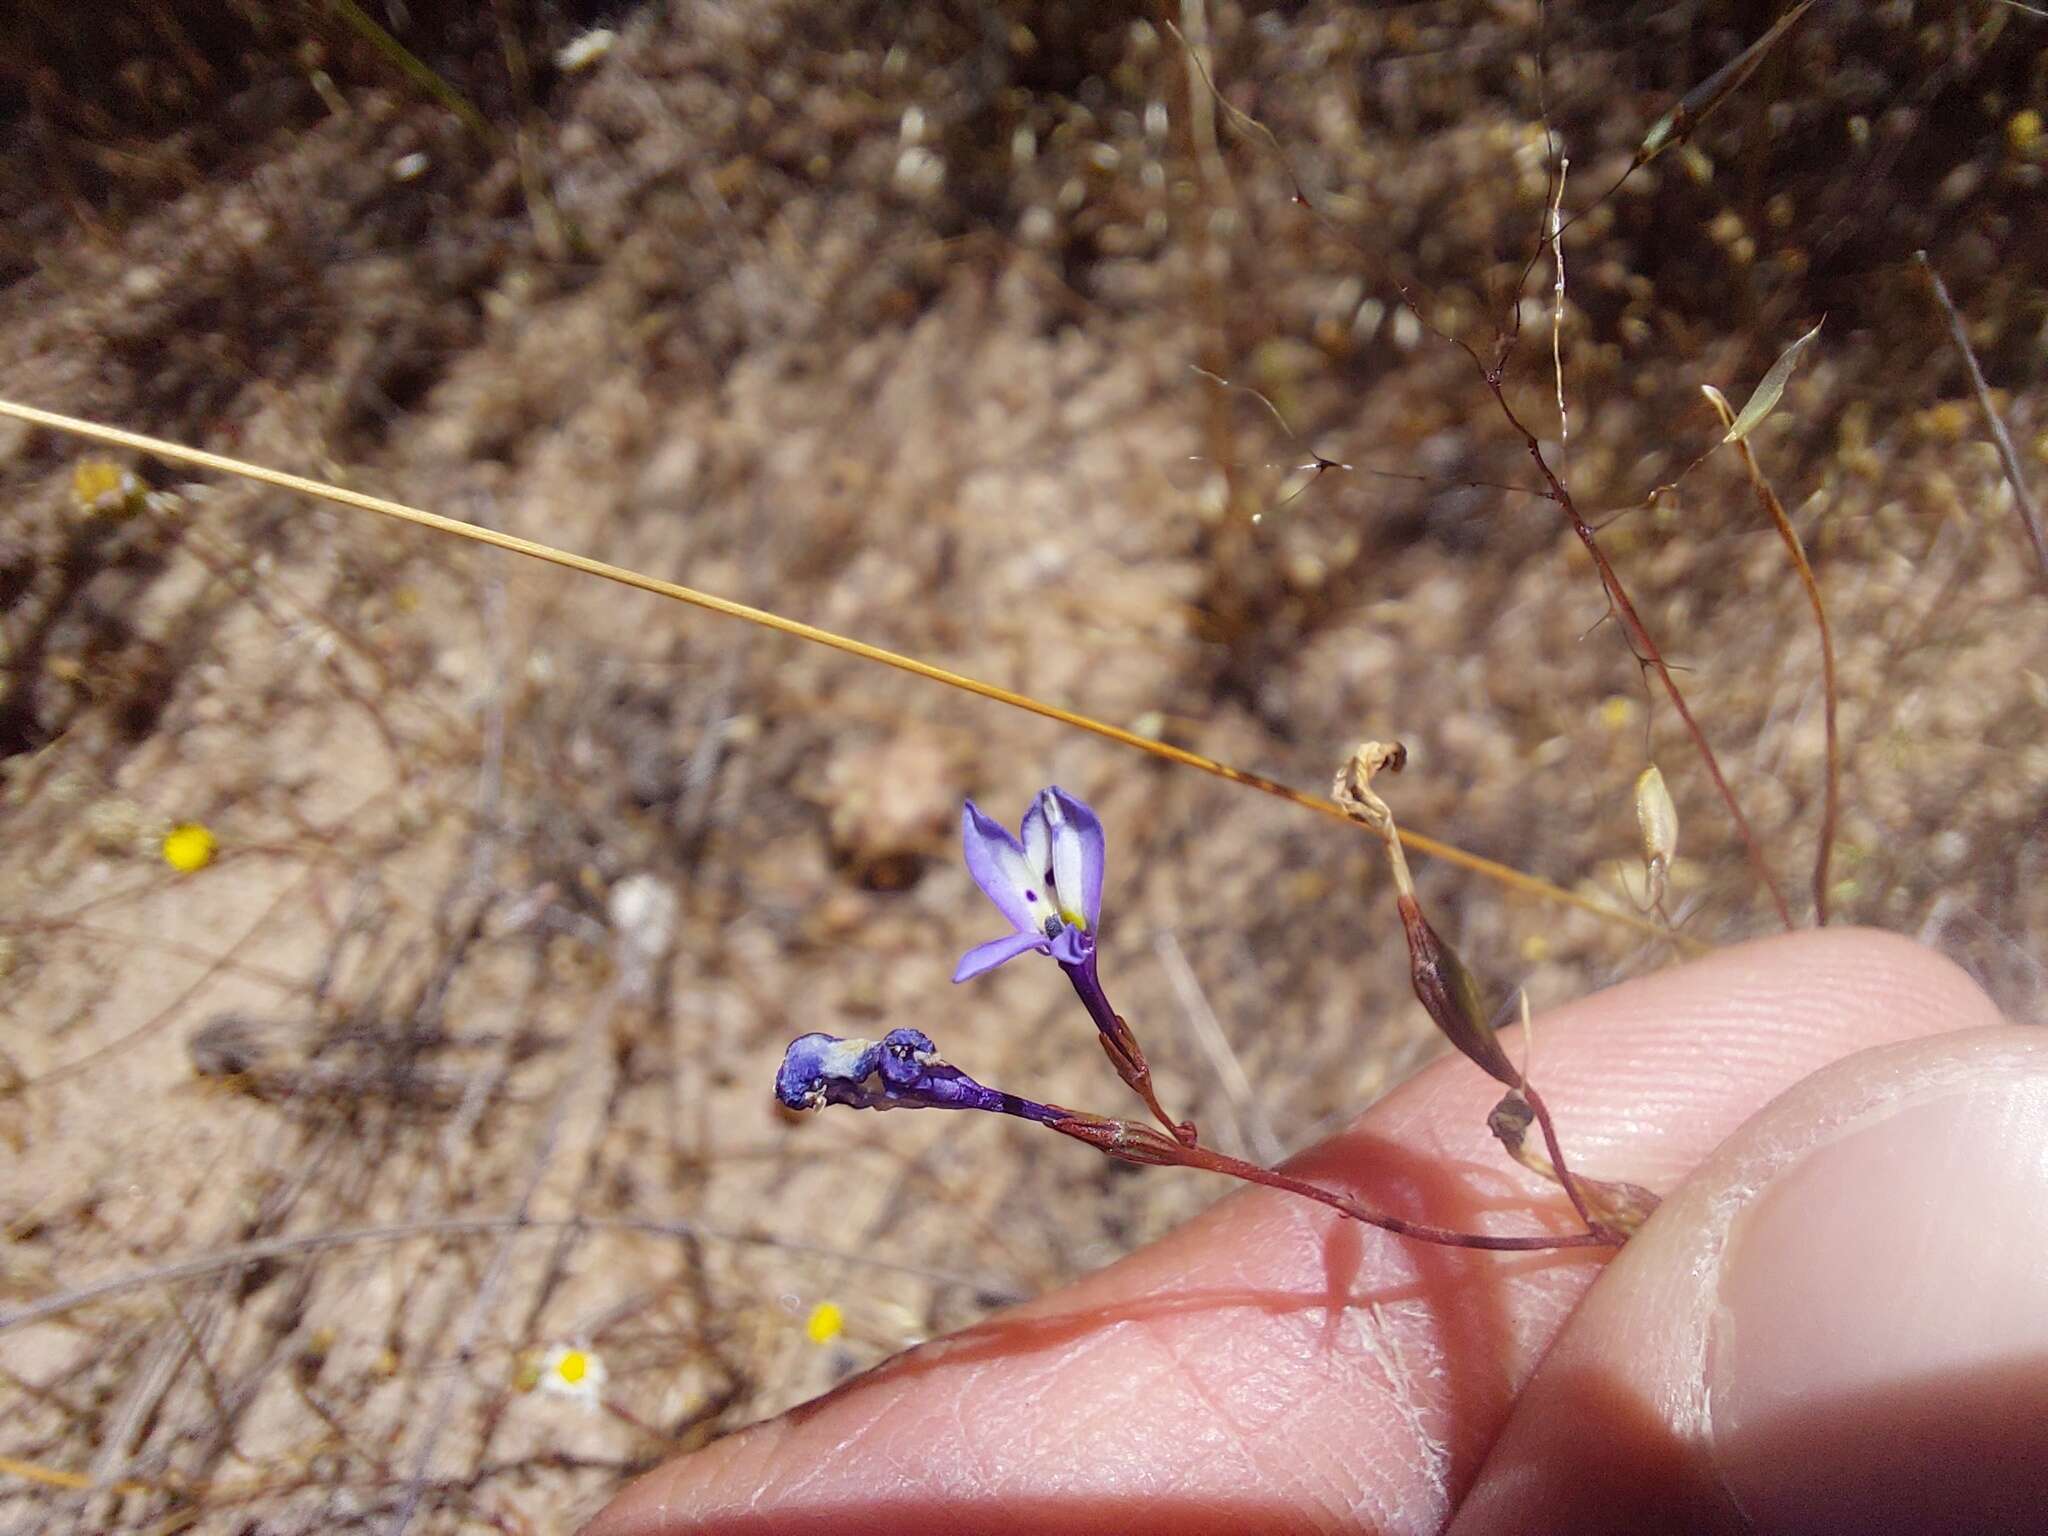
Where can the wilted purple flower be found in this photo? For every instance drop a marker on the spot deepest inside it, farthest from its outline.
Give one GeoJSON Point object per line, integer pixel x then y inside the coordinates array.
{"type": "Point", "coordinates": [902, 1070]}
{"type": "Point", "coordinates": [1049, 885]}
{"type": "Point", "coordinates": [819, 1069]}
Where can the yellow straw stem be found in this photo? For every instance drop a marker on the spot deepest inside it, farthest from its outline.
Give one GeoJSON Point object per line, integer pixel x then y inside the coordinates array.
{"type": "Point", "coordinates": [178, 453]}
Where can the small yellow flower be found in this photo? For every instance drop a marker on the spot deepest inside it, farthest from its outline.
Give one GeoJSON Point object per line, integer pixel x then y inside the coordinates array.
{"type": "Point", "coordinates": [826, 1322]}
{"type": "Point", "coordinates": [567, 1370]}
{"type": "Point", "coordinates": [189, 848]}
{"type": "Point", "coordinates": [100, 487]}
{"type": "Point", "coordinates": [1617, 712]}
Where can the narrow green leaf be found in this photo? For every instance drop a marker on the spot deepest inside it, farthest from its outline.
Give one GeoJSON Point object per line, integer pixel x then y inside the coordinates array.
{"type": "Point", "coordinates": [1770, 389]}
{"type": "Point", "coordinates": [1678, 124]}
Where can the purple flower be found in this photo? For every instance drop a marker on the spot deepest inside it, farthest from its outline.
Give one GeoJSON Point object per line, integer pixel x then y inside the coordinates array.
{"type": "Point", "coordinates": [1049, 885]}
{"type": "Point", "coordinates": [902, 1070]}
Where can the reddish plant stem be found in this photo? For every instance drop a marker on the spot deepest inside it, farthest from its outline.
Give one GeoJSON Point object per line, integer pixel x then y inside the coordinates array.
{"type": "Point", "coordinates": [1541, 1110]}
{"type": "Point", "coordinates": [1140, 1144]}
{"type": "Point", "coordinates": [1123, 1053]}
{"type": "Point", "coordinates": [1121, 1046]}
{"type": "Point", "coordinates": [1639, 640]}
{"type": "Point", "coordinates": [1592, 1237]}
{"type": "Point", "coordinates": [1831, 799]}
{"type": "Point", "coordinates": [1679, 125]}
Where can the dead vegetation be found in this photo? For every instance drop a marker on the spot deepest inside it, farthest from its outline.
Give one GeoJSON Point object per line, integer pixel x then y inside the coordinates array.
{"type": "Point", "coordinates": [460, 1046]}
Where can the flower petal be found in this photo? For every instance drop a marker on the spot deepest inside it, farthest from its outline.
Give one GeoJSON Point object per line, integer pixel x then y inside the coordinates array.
{"type": "Point", "coordinates": [1037, 840]}
{"type": "Point", "coordinates": [986, 957]}
{"type": "Point", "coordinates": [1073, 945]}
{"type": "Point", "coordinates": [1078, 848]}
{"type": "Point", "coordinates": [1002, 869]}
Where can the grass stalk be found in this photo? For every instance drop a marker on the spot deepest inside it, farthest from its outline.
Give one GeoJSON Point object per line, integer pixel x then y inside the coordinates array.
{"type": "Point", "coordinates": [1831, 803]}
{"type": "Point", "coordinates": [199, 458]}
{"type": "Point", "coordinates": [2023, 499]}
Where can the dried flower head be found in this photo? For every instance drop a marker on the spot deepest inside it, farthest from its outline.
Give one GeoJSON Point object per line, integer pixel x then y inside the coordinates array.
{"type": "Point", "coordinates": [1353, 789]}
{"type": "Point", "coordinates": [1657, 817]}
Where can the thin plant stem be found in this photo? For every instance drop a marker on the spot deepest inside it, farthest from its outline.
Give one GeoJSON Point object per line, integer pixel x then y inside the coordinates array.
{"type": "Point", "coordinates": [414, 68]}
{"type": "Point", "coordinates": [1422, 1232]}
{"type": "Point", "coordinates": [1564, 420]}
{"type": "Point", "coordinates": [2023, 499]}
{"type": "Point", "coordinates": [1639, 639]}
{"type": "Point", "coordinates": [1675, 126]}
{"type": "Point", "coordinates": [1831, 799]}
{"type": "Point", "coordinates": [1140, 1144]}
{"type": "Point", "coordinates": [1541, 1110]}
{"type": "Point", "coordinates": [179, 453]}
{"type": "Point", "coordinates": [309, 1245]}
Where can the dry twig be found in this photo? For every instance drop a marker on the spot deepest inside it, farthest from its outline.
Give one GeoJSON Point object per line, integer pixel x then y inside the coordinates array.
{"type": "Point", "coordinates": [2009, 460]}
{"type": "Point", "coordinates": [1831, 804]}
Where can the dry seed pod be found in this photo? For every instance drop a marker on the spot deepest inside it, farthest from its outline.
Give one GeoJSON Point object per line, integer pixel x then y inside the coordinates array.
{"type": "Point", "coordinates": [1616, 1204]}
{"type": "Point", "coordinates": [1445, 988]}
{"type": "Point", "coordinates": [1450, 996]}
{"type": "Point", "coordinates": [1125, 1140]}
{"type": "Point", "coordinates": [1658, 819]}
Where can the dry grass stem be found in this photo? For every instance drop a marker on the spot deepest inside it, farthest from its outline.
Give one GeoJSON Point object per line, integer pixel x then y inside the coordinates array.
{"type": "Point", "coordinates": [532, 549]}
{"type": "Point", "coordinates": [1831, 798]}
{"type": "Point", "coordinates": [1254, 1126]}
{"type": "Point", "coordinates": [2009, 460]}
{"type": "Point", "coordinates": [1677, 125]}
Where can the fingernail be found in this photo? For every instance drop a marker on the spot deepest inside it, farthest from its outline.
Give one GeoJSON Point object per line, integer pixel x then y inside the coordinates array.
{"type": "Point", "coordinates": [1879, 1357]}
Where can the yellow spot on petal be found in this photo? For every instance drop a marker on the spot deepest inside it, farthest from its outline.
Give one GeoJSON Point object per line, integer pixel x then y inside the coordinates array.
{"type": "Point", "coordinates": [826, 1322]}
{"type": "Point", "coordinates": [189, 848]}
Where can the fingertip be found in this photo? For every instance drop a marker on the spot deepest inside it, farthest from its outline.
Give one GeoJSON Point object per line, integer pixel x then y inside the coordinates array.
{"type": "Point", "coordinates": [1835, 1324]}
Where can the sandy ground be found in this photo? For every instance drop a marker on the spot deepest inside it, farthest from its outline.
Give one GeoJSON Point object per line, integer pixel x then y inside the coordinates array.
{"type": "Point", "coordinates": [461, 1046]}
